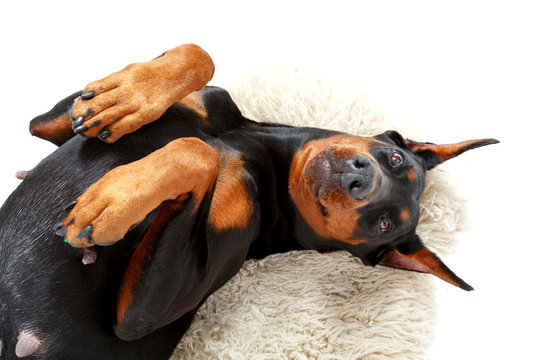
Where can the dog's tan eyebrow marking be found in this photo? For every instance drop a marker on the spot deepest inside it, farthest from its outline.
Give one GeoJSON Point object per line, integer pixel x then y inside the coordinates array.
{"type": "Point", "coordinates": [411, 174]}
{"type": "Point", "coordinates": [405, 215]}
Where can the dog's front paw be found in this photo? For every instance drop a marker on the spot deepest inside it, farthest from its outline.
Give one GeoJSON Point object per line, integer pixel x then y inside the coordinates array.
{"type": "Point", "coordinates": [107, 210]}
{"type": "Point", "coordinates": [140, 93]}
{"type": "Point", "coordinates": [119, 103]}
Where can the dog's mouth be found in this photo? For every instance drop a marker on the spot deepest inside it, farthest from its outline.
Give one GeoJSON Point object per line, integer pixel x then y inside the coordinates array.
{"type": "Point", "coordinates": [339, 178]}
{"type": "Point", "coordinates": [318, 174]}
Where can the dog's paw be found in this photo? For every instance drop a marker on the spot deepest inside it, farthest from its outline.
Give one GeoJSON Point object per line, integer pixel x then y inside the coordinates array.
{"type": "Point", "coordinates": [120, 103]}
{"type": "Point", "coordinates": [107, 210]}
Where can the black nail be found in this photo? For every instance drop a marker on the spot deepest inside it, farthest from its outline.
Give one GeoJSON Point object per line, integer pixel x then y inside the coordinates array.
{"type": "Point", "coordinates": [87, 95]}
{"type": "Point", "coordinates": [70, 206]}
{"type": "Point", "coordinates": [95, 123]}
{"type": "Point", "coordinates": [85, 233]}
{"type": "Point", "coordinates": [80, 129]}
{"type": "Point", "coordinates": [57, 226]}
{"type": "Point", "coordinates": [104, 134]}
{"type": "Point", "coordinates": [61, 232]}
{"type": "Point", "coordinates": [77, 122]}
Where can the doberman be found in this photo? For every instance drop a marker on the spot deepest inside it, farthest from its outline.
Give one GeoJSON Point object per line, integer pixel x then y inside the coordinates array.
{"type": "Point", "coordinates": [170, 166]}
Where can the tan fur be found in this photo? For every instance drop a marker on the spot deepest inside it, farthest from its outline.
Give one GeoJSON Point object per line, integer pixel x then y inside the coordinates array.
{"type": "Point", "coordinates": [141, 255]}
{"type": "Point", "coordinates": [411, 174]}
{"type": "Point", "coordinates": [341, 219]}
{"type": "Point", "coordinates": [126, 194]}
{"type": "Point", "coordinates": [195, 102]}
{"type": "Point", "coordinates": [141, 92]}
{"type": "Point", "coordinates": [405, 215]}
{"type": "Point", "coordinates": [232, 206]}
{"type": "Point", "coordinates": [56, 130]}
{"type": "Point", "coordinates": [308, 305]}
{"type": "Point", "coordinates": [448, 151]}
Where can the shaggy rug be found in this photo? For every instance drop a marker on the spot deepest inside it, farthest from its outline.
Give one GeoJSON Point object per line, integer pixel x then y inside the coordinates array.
{"type": "Point", "coordinates": [306, 305]}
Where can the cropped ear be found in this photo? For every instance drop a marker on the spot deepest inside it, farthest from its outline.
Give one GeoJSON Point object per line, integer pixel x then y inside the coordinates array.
{"type": "Point", "coordinates": [413, 255]}
{"type": "Point", "coordinates": [55, 125]}
{"type": "Point", "coordinates": [433, 154]}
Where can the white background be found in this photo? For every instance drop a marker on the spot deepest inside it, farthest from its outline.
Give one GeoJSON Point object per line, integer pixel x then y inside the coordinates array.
{"type": "Point", "coordinates": [456, 70]}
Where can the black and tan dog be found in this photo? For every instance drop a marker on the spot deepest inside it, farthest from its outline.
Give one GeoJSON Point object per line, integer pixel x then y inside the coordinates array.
{"type": "Point", "coordinates": [192, 189]}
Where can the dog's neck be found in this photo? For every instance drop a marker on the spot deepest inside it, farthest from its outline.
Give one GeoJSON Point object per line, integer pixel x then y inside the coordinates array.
{"type": "Point", "coordinates": [283, 228]}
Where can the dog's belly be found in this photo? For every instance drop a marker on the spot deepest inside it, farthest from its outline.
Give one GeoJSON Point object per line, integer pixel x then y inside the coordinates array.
{"type": "Point", "coordinates": [45, 289]}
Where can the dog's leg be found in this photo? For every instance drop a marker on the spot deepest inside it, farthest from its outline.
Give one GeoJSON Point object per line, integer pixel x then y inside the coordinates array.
{"type": "Point", "coordinates": [181, 260]}
{"type": "Point", "coordinates": [127, 194]}
{"type": "Point", "coordinates": [169, 244]}
{"type": "Point", "coordinates": [140, 93]}
{"type": "Point", "coordinates": [55, 125]}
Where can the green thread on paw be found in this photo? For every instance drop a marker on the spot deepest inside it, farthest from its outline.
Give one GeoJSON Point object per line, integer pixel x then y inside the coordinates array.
{"type": "Point", "coordinates": [65, 240]}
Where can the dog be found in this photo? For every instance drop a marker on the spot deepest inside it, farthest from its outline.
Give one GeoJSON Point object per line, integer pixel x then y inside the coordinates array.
{"type": "Point", "coordinates": [111, 243]}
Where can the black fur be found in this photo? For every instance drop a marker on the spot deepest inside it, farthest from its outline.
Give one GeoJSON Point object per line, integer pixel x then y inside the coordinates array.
{"type": "Point", "coordinates": [45, 288]}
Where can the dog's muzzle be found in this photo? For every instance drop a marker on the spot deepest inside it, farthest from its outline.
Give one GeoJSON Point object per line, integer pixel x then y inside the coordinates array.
{"type": "Point", "coordinates": [358, 176]}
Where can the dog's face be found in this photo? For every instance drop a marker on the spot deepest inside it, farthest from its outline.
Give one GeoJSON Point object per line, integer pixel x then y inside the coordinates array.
{"type": "Point", "coordinates": [361, 194]}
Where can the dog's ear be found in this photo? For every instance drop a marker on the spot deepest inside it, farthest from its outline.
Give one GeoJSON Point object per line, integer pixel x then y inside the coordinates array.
{"type": "Point", "coordinates": [55, 125]}
{"type": "Point", "coordinates": [433, 154]}
{"type": "Point", "coordinates": [413, 255]}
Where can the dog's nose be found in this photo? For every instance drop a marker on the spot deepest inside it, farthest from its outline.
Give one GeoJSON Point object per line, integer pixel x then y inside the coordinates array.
{"type": "Point", "coordinates": [358, 176]}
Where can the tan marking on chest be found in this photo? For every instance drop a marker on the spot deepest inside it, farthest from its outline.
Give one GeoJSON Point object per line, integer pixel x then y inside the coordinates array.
{"type": "Point", "coordinates": [232, 206]}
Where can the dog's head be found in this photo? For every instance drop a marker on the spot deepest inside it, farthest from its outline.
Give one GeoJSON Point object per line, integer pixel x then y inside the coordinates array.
{"type": "Point", "coordinates": [361, 194]}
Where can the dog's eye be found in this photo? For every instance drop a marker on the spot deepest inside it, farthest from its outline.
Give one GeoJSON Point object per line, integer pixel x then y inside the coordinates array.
{"type": "Point", "coordinates": [384, 224]}
{"type": "Point", "coordinates": [396, 159]}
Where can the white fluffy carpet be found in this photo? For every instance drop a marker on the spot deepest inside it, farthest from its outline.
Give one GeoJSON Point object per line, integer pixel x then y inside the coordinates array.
{"type": "Point", "coordinates": [306, 305]}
